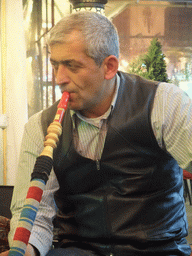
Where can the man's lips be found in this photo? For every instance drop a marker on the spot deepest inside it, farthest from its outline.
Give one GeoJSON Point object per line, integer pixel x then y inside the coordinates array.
{"type": "Point", "coordinates": [64, 90]}
{"type": "Point", "coordinates": [71, 95]}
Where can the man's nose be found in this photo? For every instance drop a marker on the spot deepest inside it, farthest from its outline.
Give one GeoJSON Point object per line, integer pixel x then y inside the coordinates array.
{"type": "Point", "coordinates": [62, 75]}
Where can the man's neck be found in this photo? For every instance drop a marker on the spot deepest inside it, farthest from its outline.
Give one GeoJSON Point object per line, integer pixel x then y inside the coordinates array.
{"type": "Point", "coordinates": [102, 108]}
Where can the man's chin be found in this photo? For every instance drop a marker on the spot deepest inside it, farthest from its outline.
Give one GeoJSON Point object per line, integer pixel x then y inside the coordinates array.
{"type": "Point", "coordinates": [73, 106]}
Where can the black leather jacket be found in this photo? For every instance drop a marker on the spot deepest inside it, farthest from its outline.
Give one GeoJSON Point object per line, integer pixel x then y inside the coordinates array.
{"type": "Point", "coordinates": [134, 202]}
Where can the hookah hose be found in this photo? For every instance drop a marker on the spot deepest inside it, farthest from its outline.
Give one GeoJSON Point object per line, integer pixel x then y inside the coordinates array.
{"type": "Point", "coordinates": [39, 177]}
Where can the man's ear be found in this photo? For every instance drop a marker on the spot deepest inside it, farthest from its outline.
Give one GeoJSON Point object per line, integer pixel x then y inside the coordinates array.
{"type": "Point", "coordinates": [111, 64]}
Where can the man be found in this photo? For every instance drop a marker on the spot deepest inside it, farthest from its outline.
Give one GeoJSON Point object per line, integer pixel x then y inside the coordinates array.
{"type": "Point", "coordinates": [116, 180]}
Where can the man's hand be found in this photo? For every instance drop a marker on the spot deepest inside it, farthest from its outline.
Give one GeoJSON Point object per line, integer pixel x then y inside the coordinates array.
{"type": "Point", "coordinates": [30, 251]}
{"type": "Point", "coordinates": [4, 253]}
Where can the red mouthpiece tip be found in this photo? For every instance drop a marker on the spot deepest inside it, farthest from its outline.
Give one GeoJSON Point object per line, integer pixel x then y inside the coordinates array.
{"type": "Point", "coordinates": [64, 100]}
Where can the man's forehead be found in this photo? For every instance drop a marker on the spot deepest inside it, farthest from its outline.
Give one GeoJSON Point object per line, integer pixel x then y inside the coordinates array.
{"type": "Point", "coordinates": [71, 37]}
{"type": "Point", "coordinates": [62, 52]}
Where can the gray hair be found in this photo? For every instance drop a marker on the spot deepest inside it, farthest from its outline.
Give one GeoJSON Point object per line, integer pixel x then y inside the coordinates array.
{"type": "Point", "coordinates": [100, 35]}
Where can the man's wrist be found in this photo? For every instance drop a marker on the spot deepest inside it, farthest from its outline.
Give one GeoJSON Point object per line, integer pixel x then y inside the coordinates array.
{"type": "Point", "coordinates": [33, 250]}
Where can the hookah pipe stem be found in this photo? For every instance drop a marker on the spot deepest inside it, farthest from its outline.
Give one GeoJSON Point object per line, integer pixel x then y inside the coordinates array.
{"type": "Point", "coordinates": [39, 177]}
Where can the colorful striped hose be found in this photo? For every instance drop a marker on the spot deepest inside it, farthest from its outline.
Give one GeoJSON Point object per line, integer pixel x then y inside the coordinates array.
{"type": "Point", "coordinates": [39, 179]}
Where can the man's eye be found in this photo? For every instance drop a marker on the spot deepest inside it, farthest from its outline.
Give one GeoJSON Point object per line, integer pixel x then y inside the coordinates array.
{"type": "Point", "coordinates": [73, 67]}
{"type": "Point", "coordinates": [70, 65]}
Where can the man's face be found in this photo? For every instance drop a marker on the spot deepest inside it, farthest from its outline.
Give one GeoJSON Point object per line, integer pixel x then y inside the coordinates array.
{"type": "Point", "coordinates": [79, 75]}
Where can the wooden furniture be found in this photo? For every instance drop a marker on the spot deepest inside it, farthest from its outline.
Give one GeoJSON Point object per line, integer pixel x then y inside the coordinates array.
{"type": "Point", "coordinates": [5, 215]}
